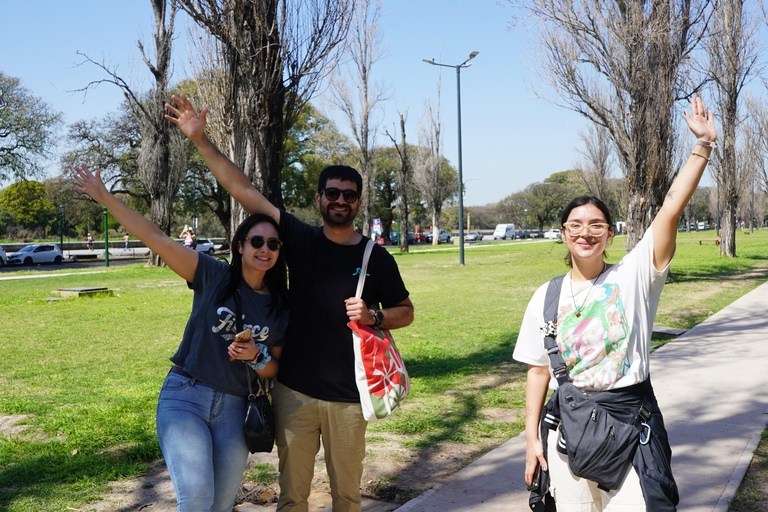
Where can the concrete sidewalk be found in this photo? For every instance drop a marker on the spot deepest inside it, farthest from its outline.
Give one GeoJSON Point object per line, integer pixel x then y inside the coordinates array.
{"type": "Point", "coordinates": [712, 386]}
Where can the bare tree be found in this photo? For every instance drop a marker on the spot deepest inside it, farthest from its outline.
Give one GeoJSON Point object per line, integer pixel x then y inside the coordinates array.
{"type": "Point", "coordinates": [277, 52]}
{"type": "Point", "coordinates": [403, 184]}
{"type": "Point", "coordinates": [619, 63]}
{"type": "Point", "coordinates": [434, 185]}
{"type": "Point", "coordinates": [364, 48]}
{"type": "Point", "coordinates": [733, 62]}
{"type": "Point", "coordinates": [162, 157]}
{"type": "Point", "coordinates": [595, 170]}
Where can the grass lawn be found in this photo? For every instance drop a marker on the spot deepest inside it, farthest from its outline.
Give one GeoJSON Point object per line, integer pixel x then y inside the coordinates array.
{"type": "Point", "coordinates": [83, 375]}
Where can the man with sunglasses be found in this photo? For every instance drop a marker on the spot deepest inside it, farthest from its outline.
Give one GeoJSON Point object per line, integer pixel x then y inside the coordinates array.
{"type": "Point", "coordinates": [315, 395]}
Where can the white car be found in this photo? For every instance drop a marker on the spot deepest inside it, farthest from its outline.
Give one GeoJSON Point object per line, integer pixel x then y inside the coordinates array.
{"type": "Point", "coordinates": [37, 253]}
{"type": "Point", "coordinates": [3, 257]}
{"type": "Point", "coordinates": [553, 234]}
{"type": "Point", "coordinates": [204, 245]}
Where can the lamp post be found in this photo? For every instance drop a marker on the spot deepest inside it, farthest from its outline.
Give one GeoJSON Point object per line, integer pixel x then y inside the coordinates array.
{"type": "Point", "coordinates": [106, 236]}
{"type": "Point", "coordinates": [61, 227]}
{"type": "Point", "coordinates": [458, 110]}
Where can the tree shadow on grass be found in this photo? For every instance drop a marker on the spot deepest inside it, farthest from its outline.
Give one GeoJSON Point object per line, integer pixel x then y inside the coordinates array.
{"type": "Point", "coordinates": [43, 481]}
{"type": "Point", "coordinates": [715, 273]}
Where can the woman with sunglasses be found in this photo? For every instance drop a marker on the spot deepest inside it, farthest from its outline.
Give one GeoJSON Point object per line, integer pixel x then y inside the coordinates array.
{"type": "Point", "coordinates": [604, 323]}
{"type": "Point", "coordinates": [201, 407]}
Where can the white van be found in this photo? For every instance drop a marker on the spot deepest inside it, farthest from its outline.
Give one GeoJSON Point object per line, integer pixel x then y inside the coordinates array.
{"type": "Point", "coordinates": [504, 231]}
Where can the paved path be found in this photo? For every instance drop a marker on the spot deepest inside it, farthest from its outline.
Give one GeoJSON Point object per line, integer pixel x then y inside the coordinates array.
{"type": "Point", "coordinates": [712, 386]}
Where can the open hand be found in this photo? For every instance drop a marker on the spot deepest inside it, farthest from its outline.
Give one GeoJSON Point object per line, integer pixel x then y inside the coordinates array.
{"type": "Point", "coordinates": [90, 184]}
{"type": "Point", "coordinates": [187, 118]}
{"type": "Point", "coordinates": [700, 121]}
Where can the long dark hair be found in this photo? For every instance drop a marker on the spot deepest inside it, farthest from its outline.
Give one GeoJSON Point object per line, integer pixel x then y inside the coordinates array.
{"type": "Point", "coordinates": [581, 201]}
{"type": "Point", "coordinates": [275, 278]}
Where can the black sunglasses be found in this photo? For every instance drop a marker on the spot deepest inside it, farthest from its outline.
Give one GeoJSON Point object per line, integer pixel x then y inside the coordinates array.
{"type": "Point", "coordinates": [257, 242]}
{"type": "Point", "coordinates": [350, 195]}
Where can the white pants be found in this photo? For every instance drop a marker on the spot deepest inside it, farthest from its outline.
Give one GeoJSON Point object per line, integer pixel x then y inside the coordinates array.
{"type": "Point", "coordinates": [574, 494]}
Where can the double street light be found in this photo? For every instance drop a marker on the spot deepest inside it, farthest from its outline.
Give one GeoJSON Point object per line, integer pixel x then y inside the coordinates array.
{"type": "Point", "coordinates": [458, 67]}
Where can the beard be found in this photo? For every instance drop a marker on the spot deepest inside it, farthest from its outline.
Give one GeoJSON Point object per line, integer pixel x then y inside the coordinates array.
{"type": "Point", "coordinates": [341, 216]}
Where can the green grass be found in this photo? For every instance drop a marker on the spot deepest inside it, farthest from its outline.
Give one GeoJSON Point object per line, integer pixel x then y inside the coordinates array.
{"type": "Point", "coordinates": [85, 373]}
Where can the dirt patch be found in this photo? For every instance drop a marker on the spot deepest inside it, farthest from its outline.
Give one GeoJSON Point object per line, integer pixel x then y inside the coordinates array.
{"type": "Point", "coordinates": [9, 424]}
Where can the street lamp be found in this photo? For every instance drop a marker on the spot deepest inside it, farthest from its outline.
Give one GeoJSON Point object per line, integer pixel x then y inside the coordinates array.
{"type": "Point", "coordinates": [458, 110]}
{"type": "Point", "coordinates": [61, 227]}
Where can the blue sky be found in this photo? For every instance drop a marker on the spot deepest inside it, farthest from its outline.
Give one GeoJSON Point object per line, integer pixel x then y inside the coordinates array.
{"type": "Point", "coordinates": [509, 138]}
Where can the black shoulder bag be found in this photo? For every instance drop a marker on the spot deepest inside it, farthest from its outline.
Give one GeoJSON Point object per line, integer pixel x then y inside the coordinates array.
{"type": "Point", "coordinates": [259, 417]}
{"type": "Point", "coordinates": [600, 447]}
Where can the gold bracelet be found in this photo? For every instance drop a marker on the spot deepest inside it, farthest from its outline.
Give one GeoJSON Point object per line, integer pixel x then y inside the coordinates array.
{"type": "Point", "coordinates": [702, 156]}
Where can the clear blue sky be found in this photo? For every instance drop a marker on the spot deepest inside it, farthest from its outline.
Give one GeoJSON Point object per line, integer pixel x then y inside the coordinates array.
{"type": "Point", "coordinates": [509, 138]}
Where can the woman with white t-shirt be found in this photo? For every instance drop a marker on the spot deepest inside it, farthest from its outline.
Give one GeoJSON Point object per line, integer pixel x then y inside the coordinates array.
{"type": "Point", "coordinates": [604, 322]}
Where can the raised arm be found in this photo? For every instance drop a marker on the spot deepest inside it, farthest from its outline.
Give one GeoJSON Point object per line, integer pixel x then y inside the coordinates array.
{"type": "Point", "coordinates": [224, 170]}
{"type": "Point", "coordinates": [180, 259]}
{"type": "Point", "coordinates": [702, 124]}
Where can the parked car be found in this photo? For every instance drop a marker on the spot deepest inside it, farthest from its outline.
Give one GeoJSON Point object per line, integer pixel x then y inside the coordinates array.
{"type": "Point", "coordinates": [519, 234]}
{"type": "Point", "coordinates": [473, 236]}
{"type": "Point", "coordinates": [393, 237]}
{"type": "Point", "coordinates": [552, 234]}
{"type": "Point", "coordinates": [535, 234]}
{"type": "Point", "coordinates": [204, 245]}
{"type": "Point", "coordinates": [504, 231]}
{"type": "Point", "coordinates": [444, 237]}
{"type": "Point", "coordinates": [37, 253]}
{"type": "Point", "coordinates": [3, 257]}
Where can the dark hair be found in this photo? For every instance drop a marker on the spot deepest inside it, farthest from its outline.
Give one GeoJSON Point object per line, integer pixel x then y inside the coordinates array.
{"type": "Point", "coordinates": [581, 201]}
{"type": "Point", "coordinates": [275, 278]}
{"type": "Point", "coordinates": [339, 172]}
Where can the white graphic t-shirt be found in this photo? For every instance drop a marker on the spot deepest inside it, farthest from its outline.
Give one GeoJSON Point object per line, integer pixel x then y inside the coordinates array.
{"type": "Point", "coordinates": [608, 344]}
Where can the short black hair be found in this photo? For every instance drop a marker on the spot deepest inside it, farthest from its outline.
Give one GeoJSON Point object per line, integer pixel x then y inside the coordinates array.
{"type": "Point", "coordinates": [339, 172]}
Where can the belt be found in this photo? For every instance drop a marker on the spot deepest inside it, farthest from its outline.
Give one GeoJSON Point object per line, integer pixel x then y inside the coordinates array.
{"type": "Point", "coordinates": [180, 371]}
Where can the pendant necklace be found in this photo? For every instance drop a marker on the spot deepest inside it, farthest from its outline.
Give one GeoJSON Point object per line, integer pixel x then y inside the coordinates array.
{"type": "Point", "coordinates": [573, 297]}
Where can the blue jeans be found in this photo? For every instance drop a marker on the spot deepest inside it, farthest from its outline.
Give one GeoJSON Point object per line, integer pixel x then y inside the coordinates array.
{"type": "Point", "coordinates": [201, 435]}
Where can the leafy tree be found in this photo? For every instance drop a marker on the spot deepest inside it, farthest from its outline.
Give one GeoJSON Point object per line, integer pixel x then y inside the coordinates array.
{"type": "Point", "coordinates": [27, 129]}
{"type": "Point", "coordinates": [28, 204]}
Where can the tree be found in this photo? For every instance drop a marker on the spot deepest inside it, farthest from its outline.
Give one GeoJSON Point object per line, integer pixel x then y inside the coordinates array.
{"type": "Point", "coordinates": [28, 204]}
{"type": "Point", "coordinates": [620, 64]}
{"type": "Point", "coordinates": [27, 130]}
{"type": "Point", "coordinates": [733, 60]}
{"type": "Point", "coordinates": [276, 53]}
{"type": "Point", "coordinates": [431, 177]}
{"type": "Point", "coordinates": [403, 184]}
{"type": "Point", "coordinates": [163, 154]}
{"type": "Point", "coordinates": [595, 170]}
{"type": "Point", "coordinates": [364, 48]}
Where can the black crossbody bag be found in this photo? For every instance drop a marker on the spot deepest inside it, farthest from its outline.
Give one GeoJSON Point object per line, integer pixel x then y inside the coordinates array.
{"type": "Point", "coordinates": [259, 424]}
{"type": "Point", "coordinates": [600, 447]}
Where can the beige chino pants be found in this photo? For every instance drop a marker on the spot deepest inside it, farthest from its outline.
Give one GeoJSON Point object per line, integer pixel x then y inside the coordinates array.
{"type": "Point", "coordinates": [302, 421]}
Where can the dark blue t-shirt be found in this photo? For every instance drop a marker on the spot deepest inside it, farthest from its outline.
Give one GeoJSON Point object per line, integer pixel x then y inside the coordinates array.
{"type": "Point", "coordinates": [318, 359]}
{"type": "Point", "coordinates": [212, 327]}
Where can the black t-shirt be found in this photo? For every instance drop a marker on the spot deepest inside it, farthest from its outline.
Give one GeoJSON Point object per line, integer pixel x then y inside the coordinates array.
{"type": "Point", "coordinates": [318, 359]}
{"type": "Point", "coordinates": [212, 327]}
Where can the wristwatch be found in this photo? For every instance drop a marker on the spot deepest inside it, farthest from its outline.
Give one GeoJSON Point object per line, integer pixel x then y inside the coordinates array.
{"type": "Point", "coordinates": [378, 317]}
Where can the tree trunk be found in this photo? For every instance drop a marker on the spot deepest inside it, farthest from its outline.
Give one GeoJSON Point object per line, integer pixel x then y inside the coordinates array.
{"type": "Point", "coordinates": [402, 191]}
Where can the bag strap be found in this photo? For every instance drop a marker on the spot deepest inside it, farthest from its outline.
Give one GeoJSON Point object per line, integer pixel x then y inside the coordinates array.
{"type": "Point", "coordinates": [551, 301]}
{"type": "Point", "coordinates": [239, 327]}
{"type": "Point", "coordinates": [364, 268]}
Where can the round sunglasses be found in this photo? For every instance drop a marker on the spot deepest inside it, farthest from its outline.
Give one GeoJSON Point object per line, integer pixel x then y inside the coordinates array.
{"type": "Point", "coordinates": [258, 241]}
{"type": "Point", "coordinates": [332, 194]}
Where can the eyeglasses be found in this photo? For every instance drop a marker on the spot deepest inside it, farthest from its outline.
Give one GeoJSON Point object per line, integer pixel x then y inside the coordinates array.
{"type": "Point", "coordinates": [257, 242]}
{"type": "Point", "coordinates": [350, 195]}
{"type": "Point", "coordinates": [595, 229]}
